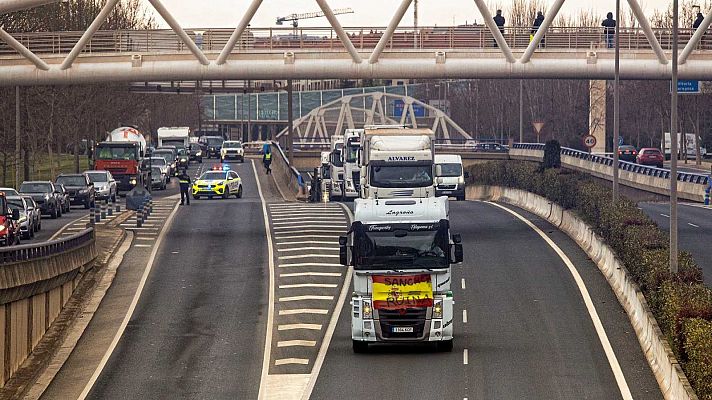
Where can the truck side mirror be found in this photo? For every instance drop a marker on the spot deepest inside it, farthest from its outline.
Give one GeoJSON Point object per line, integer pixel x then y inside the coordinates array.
{"type": "Point", "coordinates": [457, 240]}
{"type": "Point", "coordinates": [343, 251]}
{"type": "Point", "coordinates": [15, 215]}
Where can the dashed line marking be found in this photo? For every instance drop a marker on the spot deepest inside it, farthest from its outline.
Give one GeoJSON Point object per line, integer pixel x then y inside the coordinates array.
{"type": "Point", "coordinates": [464, 316]}
{"type": "Point", "coordinates": [297, 274]}
{"type": "Point", "coordinates": [325, 228]}
{"type": "Point", "coordinates": [151, 239]}
{"type": "Point", "coordinates": [305, 297]}
{"type": "Point", "coordinates": [143, 245]}
{"type": "Point", "coordinates": [292, 343]}
{"type": "Point", "coordinates": [288, 361]}
{"type": "Point", "coordinates": [465, 357]}
{"type": "Point", "coordinates": [307, 242]}
{"type": "Point", "coordinates": [308, 285]}
{"type": "Point", "coordinates": [291, 327]}
{"type": "Point", "coordinates": [290, 236]}
{"type": "Point", "coordinates": [665, 215]}
{"type": "Point", "coordinates": [298, 311]}
{"type": "Point", "coordinates": [693, 225]}
{"type": "Point", "coordinates": [309, 256]}
{"type": "Point", "coordinates": [463, 283]}
{"type": "Point", "coordinates": [299, 220]}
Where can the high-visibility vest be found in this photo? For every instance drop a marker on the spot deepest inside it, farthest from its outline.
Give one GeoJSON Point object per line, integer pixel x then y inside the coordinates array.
{"type": "Point", "coordinates": [268, 156]}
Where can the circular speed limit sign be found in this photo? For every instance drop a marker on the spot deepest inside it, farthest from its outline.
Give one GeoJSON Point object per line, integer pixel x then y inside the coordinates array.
{"type": "Point", "coordinates": [589, 141]}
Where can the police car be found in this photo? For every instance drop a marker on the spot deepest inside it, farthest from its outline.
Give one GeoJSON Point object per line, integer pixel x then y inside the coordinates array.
{"type": "Point", "coordinates": [220, 181]}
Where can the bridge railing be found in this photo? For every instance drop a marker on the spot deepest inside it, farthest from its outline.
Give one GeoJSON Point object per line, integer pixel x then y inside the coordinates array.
{"type": "Point", "coordinates": [363, 38]}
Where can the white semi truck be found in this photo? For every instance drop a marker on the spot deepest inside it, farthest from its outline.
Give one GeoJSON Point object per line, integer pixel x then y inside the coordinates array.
{"type": "Point", "coordinates": [174, 136]}
{"type": "Point", "coordinates": [686, 146]}
{"type": "Point", "coordinates": [336, 161]}
{"type": "Point", "coordinates": [397, 162]}
{"type": "Point", "coordinates": [352, 168]}
{"type": "Point", "coordinates": [402, 252]}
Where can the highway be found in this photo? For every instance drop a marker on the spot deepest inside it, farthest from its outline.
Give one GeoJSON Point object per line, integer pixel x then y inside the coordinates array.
{"type": "Point", "coordinates": [198, 329]}
{"type": "Point", "coordinates": [527, 332]}
{"type": "Point", "coordinates": [695, 230]}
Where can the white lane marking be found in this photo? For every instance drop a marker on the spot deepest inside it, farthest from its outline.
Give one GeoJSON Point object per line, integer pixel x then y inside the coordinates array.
{"type": "Point", "coordinates": [665, 215]}
{"type": "Point", "coordinates": [305, 297]}
{"type": "Point", "coordinates": [311, 248]}
{"type": "Point", "coordinates": [463, 283]}
{"type": "Point", "coordinates": [702, 206]}
{"type": "Point", "coordinates": [288, 361]}
{"type": "Point", "coordinates": [600, 330]}
{"type": "Point", "coordinates": [465, 357]}
{"type": "Point", "coordinates": [62, 229]}
{"type": "Point", "coordinates": [464, 316]}
{"type": "Point", "coordinates": [336, 241]}
{"type": "Point", "coordinates": [325, 227]}
{"type": "Point", "coordinates": [132, 307]}
{"type": "Point", "coordinates": [287, 236]}
{"type": "Point", "coordinates": [143, 229]}
{"type": "Point", "coordinates": [149, 239]}
{"type": "Point", "coordinates": [693, 225]}
{"type": "Point", "coordinates": [270, 307]}
{"type": "Point", "coordinates": [75, 228]}
{"type": "Point", "coordinates": [298, 311]}
{"type": "Point", "coordinates": [299, 274]}
{"type": "Point", "coordinates": [291, 206]}
{"type": "Point", "coordinates": [291, 327]}
{"type": "Point", "coordinates": [332, 324]}
{"type": "Point", "coordinates": [293, 220]}
{"type": "Point", "coordinates": [282, 265]}
{"type": "Point", "coordinates": [143, 245]}
{"type": "Point", "coordinates": [309, 256]}
{"type": "Point", "coordinates": [308, 285]}
{"type": "Point", "coordinates": [291, 343]}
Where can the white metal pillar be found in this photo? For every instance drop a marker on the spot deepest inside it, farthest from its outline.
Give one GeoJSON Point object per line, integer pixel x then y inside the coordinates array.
{"type": "Point", "coordinates": [645, 25]}
{"type": "Point", "coordinates": [20, 48]}
{"type": "Point", "coordinates": [548, 19]}
{"type": "Point", "coordinates": [230, 45]}
{"type": "Point", "coordinates": [343, 36]}
{"type": "Point", "coordinates": [389, 31]}
{"type": "Point", "coordinates": [163, 11]}
{"type": "Point", "coordinates": [489, 21]}
{"type": "Point", "coordinates": [89, 33]}
{"type": "Point", "coordinates": [696, 37]}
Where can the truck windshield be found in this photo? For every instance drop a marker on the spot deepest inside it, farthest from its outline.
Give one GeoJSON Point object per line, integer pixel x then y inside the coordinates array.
{"type": "Point", "coordinates": [352, 152]}
{"type": "Point", "coordinates": [401, 176]}
{"type": "Point", "coordinates": [450, 170]}
{"type": "Point", "coordinates": [400, 249]}
{"type": "Point", "coordinates": [115, 153]}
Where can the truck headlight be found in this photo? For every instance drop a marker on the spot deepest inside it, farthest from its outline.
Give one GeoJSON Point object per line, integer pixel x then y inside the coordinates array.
{"type": "Point", "coordinates": [2, 228]}
{"type": "Point", "coordinates": [199, 154]}
{"type": "Point", "coordinates": [367, 310]}
{"type": "Point", "coordinates": [461, 180]}
{"type": "Point", "coordinates": [132, 181]}
{"type": "Point", "coordinates": [438, 309]}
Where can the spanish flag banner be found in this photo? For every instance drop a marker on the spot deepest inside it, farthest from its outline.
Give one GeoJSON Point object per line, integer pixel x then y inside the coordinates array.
{"type": "Point", "coordinates": [396, 292]}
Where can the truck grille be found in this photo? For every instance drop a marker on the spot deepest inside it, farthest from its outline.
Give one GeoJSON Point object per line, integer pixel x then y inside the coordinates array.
{"type": "Point", "coordinates": [447, 187]}
{"type": "Point", "coordinates": [410, 317]}
{"type": "Point", "coordinates": [356, 175]}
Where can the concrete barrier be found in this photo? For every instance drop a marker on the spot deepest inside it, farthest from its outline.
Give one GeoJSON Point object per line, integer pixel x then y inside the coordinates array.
{"type": "Point", "coordinates": [286, 176]}
{"type": "Point", "coordinates": [668, 372]}
{"type": "Point", "coordinates": [36, 281]}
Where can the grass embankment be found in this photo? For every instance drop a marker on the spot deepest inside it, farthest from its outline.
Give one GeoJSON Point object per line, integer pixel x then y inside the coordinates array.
{"type": "Point", "coordinates": [63, 163]}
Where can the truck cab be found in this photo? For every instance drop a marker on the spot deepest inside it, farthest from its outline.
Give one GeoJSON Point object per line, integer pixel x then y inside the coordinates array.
{"type": "Point", "coordinates": [352, 168]}
{"type": "Point", "coordinates": [402, 252]}
{"type": "Point", "coordinates": [336, 162]}
{"type": "Point", "coordinates": [449, 176]}
{"type": "Point", "coordinates": [397, 162]}
{"type": "Point", "coordinates": [121, 155]}
{"type": "Point", "coordinates": [174, 136]}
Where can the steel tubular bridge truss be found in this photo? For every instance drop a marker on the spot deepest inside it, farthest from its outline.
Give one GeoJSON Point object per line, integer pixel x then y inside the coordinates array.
{"type": "Point", "coordinates": [341, 53]}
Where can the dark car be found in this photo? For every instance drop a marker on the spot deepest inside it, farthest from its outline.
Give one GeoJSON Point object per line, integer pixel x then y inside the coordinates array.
{"type": "Point", "coordinates": [63, 197]}
{"type": "Point", "coordinates": [211, 145]}
{"type": "Point", "coordinates": [651, 156]}
{"type": "Point", "coordinates": [34, 212]}
{"type": "Point", "coordinates": [9, 225]}
{"type": "Point", "coordinates": [195, 152]}
{"type": "Point", "coordinates": [490, 148]}
{"type": "Point", "coordinates": [43, 193]}
{"type": "Point", "coordinates": [182, 160]}
{"type": "Point", "coordinates": [80, 189]}
{"type": "Point", "coordinates": [627, 153]}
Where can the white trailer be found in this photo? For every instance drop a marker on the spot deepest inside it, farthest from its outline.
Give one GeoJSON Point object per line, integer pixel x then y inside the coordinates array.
{"type": "Point", "coordinates": [336, 162]}
{"type": "Point", "coordinates": [352, 167]}
{"type": "Point", "coordinates": [174, 136]}
{"type": "Point", "coordinates": [402, 253]}
{"type": "Point", "coordinates": [688, 146]}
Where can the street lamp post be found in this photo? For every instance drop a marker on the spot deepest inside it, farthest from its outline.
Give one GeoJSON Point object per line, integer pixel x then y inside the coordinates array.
{"type": "Point", "coordinates": [521, 111]}
{"type": "Point", "coordinates": [616, 106]}
{"type": "Point", "coordinates": [674, 147]}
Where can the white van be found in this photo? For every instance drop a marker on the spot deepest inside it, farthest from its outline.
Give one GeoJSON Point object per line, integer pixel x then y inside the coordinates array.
{"type": "Point", "coordinates": [450, 176]}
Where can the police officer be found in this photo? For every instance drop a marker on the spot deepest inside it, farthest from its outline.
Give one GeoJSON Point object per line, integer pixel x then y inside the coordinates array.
{"type": "Point", "coordinates": [267, 160]}
{"type": "Point", "coordinates": [185, 182]}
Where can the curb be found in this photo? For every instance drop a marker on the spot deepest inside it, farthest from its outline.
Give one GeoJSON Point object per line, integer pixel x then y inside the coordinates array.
{"type": "Point", "coordinates": [667, 370]}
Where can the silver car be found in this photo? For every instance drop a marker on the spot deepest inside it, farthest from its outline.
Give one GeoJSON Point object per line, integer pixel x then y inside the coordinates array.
{"type": "Point", "coordinates": [35, 212]}
{"type": "Point", "coordinates": [104, 184]}
{"type": "Point", "coordinates": [27, 230]}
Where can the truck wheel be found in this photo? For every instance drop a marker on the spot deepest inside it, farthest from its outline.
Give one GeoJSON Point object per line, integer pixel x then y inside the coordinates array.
{"type": "Point", "coordinates": [445, 346]}
{"type": "Point", "coordinates": [239, 193]}
{"type": "Point", "coordinates": [359, 346]}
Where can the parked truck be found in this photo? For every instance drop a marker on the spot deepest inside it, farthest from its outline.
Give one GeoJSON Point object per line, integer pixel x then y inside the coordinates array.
{"type": "Point", "coordinates": [402, 252]}
{"type": "Point", "coordinates": [121, 155]}
{"type": "Point", "coordinates": [336, 162]}
{"type": "Point", "coordinates": [352, 166]}
{"type": "Point", "coordinates": [174, 136]}
{"type": "Point", "coordinates": [688, 146]}
{"type": "Point", "coordinates": [397, 162]}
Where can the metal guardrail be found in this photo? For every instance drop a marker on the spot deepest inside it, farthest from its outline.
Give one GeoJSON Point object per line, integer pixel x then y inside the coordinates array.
{"type": "Point", "coordinates": [363, 38]}
{"type": "Point", "coordinates": [28, 252]}
{"type": "Point", "coordinates": [699, 179]}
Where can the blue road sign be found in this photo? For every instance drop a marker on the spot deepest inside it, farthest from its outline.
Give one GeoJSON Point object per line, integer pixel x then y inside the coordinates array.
{"type": "Point", "coordinates": [688, 86]}
{"type": "Point", "coordinates": [399, 105]}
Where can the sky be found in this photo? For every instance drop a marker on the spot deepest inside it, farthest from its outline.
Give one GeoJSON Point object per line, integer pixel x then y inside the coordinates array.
{"type": "Point", "coordinates": [227, 13]}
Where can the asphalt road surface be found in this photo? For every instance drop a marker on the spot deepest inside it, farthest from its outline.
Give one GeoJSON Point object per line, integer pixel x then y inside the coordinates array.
{"type": "Point", "coordinates": [198, 330]}
{"type": "Point", "coordinates": [694, 230]}
{"type": "Point", "coordinates": [528, 334]}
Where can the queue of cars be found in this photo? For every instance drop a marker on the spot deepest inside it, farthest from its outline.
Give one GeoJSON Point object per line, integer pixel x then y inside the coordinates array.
{"type": "Point", "coordinates": [645, 156]}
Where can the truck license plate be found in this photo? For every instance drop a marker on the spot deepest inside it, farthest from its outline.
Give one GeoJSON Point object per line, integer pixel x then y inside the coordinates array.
{"type": "Point", "coordinates": [402, 329]}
